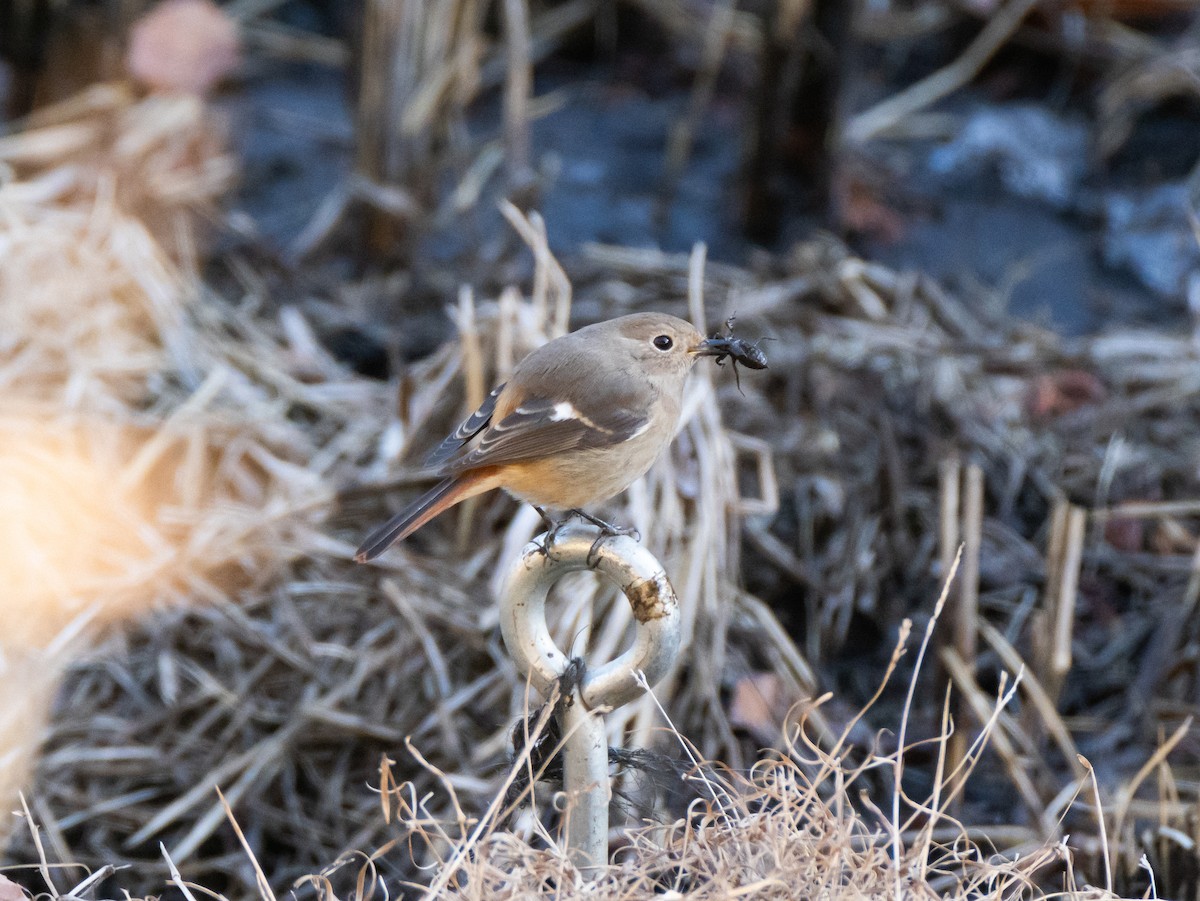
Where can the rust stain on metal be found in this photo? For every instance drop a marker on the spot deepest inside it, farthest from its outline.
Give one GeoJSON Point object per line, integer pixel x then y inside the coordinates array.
{"type": "Point", "coordinates": [650, 598]}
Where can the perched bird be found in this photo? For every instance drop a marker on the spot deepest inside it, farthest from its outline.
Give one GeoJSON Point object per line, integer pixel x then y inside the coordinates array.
{"type": "Point", "coordinates": [582, 417]}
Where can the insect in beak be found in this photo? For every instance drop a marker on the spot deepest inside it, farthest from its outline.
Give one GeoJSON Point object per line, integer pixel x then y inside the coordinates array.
{"type": "Point", "coordinates": [737, 349]}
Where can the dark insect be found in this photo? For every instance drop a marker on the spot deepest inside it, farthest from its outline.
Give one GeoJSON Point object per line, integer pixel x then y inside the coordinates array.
{"type": "Point", "coordinates": [739, 350]}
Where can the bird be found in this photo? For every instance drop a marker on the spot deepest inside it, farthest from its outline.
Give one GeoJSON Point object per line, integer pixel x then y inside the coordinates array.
{"type": "Point", "coordinates": [581, 418]}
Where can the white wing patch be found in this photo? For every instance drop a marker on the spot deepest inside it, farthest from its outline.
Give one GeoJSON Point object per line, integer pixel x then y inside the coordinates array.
{"type": "Point", "coordinates": [565, 411]}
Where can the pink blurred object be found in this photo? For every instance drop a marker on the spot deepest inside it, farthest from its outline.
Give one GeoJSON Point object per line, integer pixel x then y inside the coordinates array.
{"type": "Point", "coordinates": [183, 45]}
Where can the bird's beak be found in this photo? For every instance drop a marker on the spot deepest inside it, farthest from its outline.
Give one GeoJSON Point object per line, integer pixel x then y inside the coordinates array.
{"type": "Point", "coordinates": [710, 347]}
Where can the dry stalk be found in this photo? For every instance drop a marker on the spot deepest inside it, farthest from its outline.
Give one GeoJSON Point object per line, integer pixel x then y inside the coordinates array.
{"type": "Point", "coordinates": [1064, 615]}
{"type": "Point", "coordinates": [949, 523]}
{"type": "Point", "coordinates": [966, 617]}
{"type": "Point", "coordinates": [419, 68]}
{"type": "Point", "coordinates": [518, 90]}
{"type": "Point", "coordinates": [1091, 772]}
{"type": "Point", "coordinates": [1000, 27]}
{"type": "Point", "coordinates": [264, 886]}
{"type": "Point", "coordinates": [1040, 702]}
{"type": "Point", "coordinates": [1124, 802]}
{"type": "Point", "coordinates": [898, 771]}
{"type": "Point", "coordinates": [1047, 616]}
{"type": "Point", "coordinates": [682, 134]}
{"type": "Point", "coordinates": [964, 635]}
{"type": "Point", "coordinates": [982, 707]}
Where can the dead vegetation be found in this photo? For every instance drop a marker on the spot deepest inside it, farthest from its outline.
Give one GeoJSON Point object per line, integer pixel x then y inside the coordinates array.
{"type": "Point", "coordinates": [289, 699]}
{"type": "Point", "coordinates": [791, 826]}
{"type": "Point", "coordinates": [804, 523]}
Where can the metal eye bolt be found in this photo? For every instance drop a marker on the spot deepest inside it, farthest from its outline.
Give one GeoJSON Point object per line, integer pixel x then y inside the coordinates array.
{"type": "Point", "coordinates": [656, 642]}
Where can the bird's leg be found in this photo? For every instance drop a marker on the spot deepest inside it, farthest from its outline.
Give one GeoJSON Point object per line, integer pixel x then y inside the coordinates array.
{"type": "Point", "coordinates": [552, 527]}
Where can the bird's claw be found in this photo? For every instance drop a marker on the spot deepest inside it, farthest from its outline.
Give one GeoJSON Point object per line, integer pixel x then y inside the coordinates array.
{"type": "Point", "coordinates": [552, 529]}
{"type": "Point", "coordinates": [607, 530]}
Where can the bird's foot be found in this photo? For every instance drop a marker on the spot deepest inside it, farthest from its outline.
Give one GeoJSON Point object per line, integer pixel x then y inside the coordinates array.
{"type": "Point", "coordinates": [571, 679]}
{"type": "Point", "coordinates": [607, 528]}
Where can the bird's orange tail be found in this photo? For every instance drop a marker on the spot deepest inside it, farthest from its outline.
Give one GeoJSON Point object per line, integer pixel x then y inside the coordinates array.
{"type": "Point", "coordinates": [442, 496]}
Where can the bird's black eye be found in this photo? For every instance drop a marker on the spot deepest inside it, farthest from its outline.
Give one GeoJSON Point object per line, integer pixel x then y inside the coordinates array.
{"type": "Point", "coordinates": [663, 342]}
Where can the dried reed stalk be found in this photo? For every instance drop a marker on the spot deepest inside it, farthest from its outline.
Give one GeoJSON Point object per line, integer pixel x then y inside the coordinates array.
{"type": "Point", "coordinates": [419, 67]}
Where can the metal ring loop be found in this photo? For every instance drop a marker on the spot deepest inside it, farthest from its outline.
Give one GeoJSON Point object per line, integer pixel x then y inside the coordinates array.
{"type": "Point", "coordinates": [640, 576]}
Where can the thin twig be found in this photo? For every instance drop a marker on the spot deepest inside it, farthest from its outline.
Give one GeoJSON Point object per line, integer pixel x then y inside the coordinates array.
{"type": "Point", "coordinates": [1000, 27]}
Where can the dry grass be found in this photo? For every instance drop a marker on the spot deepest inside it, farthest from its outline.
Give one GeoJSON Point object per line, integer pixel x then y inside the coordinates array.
{"type": "Point", "coordinates": [800, 823]}
{"type": "Point", "coordinates": [289, 700]}
{"type": "Point", "coordinates": [808, 821]}
{"type": "Point", "coordinates": [209, 441]}
{"type": "Point", "coordinates": [131, 473]}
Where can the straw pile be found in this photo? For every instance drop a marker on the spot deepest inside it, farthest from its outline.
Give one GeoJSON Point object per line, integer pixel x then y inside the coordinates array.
{"type": "Point", "coordinates": [290, 699]}
{"type": "Point", "coordinates": [132, 472]}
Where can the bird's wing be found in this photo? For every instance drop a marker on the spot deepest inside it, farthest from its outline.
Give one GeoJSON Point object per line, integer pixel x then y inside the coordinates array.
{"type": "Point", "coordinates": [540, 427]}
{"type": "Point", "coordinates": [470, 427]}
